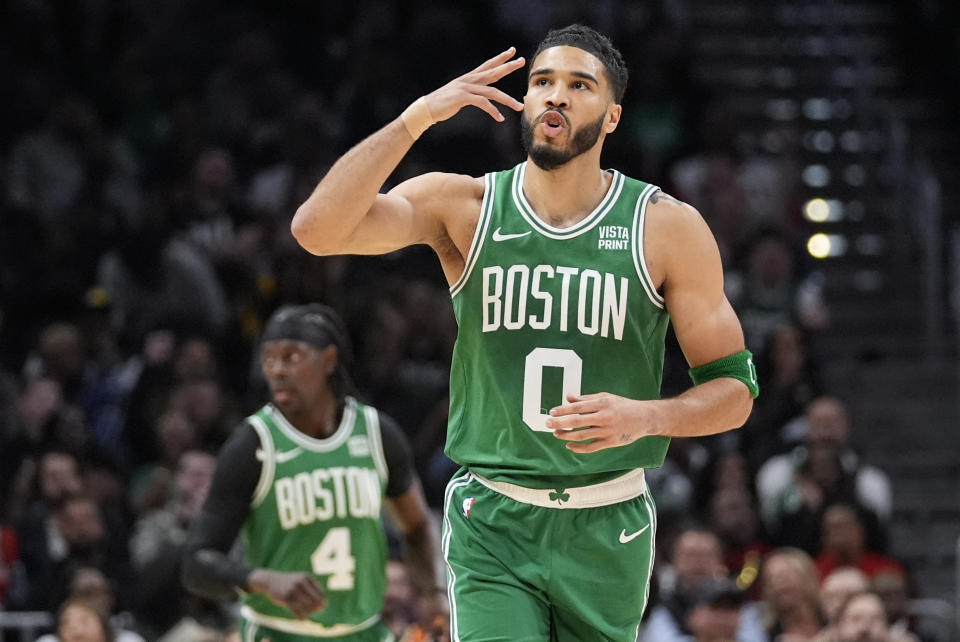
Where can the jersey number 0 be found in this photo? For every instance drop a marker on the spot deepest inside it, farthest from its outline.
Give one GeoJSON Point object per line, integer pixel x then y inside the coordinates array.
{"type": "Point", "coordinates": [534, 413]}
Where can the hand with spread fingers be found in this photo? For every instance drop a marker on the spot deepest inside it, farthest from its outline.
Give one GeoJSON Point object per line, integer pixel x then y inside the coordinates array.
{"type": "Point", "coordinates": [590, 423]}
{"type": "Point", "coordinates": [474, 88]}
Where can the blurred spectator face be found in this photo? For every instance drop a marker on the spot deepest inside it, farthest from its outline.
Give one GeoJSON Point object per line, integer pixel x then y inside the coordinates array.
{"type": "Point", "coordinates": [80, 524]}
{"type": "Point", "coordinates": [90, 585]}
{"type": "Point", "coordinates": [731, 472]}
{"type": "Point", "coordinates": [41, 399]}
{"type": "Point", "coordinates": [843, 534]}
{"type": "Point", "coordinates": [194, 474]}
{"type": "Point", "coordinates": [697, 557]}
{"type": "Point", "coordinates": [213, 172]}
{"type": "Point", "coordinates": [176, 434]}
{"type": "Point", "coordinates": [787, 352]}
{"type": "Point", "coordinates": [714, 623]}
{"type": "Point", "coordinates": [828, 424]}
{"type": "Point", "coordinates": [81, 622]}
{"type": "Point", "coordinates": [732, 515]}
{"type": "Point", "coordinates": [788, 579]}
{"type": "Point", "coordinates": [201, 400]}
{"type": "Point", "coordinates": [837, 587]}
{"type": "Point", "coordinates": [59, 477]}
{"type": "Point", "coordinates": [62, 351]}
{"type": "Point", "coordinates": [770, 263]}
{"type": "Point", "coordinates": [862, 620]}
{"type": "Point", "coordinates": [893, 592]}
{"type": "Point", "coordinates": [195, 359]}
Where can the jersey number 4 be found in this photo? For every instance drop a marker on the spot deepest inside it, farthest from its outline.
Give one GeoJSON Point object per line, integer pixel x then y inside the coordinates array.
{"type": "Point", "coordinates": [333, 558]}
{"type": "Point", "coordinates": [568, 361]}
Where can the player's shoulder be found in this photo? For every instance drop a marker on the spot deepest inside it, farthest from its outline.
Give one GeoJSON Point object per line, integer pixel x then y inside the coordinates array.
{"type": "Point", "coordinates": [669, 219]}
{"type": "Point", "coordinates": [443, 185]}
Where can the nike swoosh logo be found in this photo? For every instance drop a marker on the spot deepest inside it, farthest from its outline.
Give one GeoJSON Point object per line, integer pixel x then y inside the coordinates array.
{"type": "Point", "coordinates": [283, 458]}
{"type": "Point", "coordinates": [624, 538]}
{"type": "Point", "coordinates": [497, 236]}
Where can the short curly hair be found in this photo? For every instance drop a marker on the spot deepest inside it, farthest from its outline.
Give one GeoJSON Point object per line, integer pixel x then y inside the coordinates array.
{"type": "Point", "coordinates": [595, 43]}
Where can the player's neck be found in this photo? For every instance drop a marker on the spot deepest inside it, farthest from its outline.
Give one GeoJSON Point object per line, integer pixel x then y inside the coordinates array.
{"type": "Point", "coordinates": [323, 418]}
{"type": "Point", "coordinates": [563, 196]}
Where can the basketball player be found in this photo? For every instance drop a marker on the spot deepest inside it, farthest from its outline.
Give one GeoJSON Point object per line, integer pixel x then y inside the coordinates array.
{"type": "Point", "coordinates": [563, 277]}
{"type": "Point", "coordinates": [302, 480]}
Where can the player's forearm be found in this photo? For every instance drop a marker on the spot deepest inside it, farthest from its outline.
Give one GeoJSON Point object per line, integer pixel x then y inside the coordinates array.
{"type": "Point", "coordinates": [707, 409]}
{"type": "Point", "coordinates": [348, 191]}
{"type": "Point", "coordinates": [421, 558]}
{"type": "Point", "coordinates": [213, 574]}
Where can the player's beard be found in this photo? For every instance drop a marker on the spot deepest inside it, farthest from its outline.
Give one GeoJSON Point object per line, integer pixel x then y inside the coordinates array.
{"type": "Point", "coordinates": [548, 157]}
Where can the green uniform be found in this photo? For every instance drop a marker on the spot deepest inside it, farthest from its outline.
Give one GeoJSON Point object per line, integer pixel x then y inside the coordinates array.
{"type": "Point", "coordinates": [543, 312]}
{"type": "Point", "coordinates": [316, 509]}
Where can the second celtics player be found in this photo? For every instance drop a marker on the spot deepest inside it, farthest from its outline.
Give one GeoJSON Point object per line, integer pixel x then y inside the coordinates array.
{"type": "Point", "coordinates": [303, 481]}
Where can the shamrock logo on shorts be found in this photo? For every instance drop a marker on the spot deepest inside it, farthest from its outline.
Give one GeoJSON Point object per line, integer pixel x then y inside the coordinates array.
{"type": "Point", "coordinates": [559, 495]}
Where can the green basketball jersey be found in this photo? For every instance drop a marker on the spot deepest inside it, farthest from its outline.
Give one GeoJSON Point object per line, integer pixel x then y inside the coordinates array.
{"type": "Point", "coordinates": [543, 311]}
{"type": "Point", "coordinates": [316, 509]}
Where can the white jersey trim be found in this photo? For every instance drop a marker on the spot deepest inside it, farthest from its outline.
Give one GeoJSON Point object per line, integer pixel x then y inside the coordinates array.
{"type": "Point", "coordinates": [639, 260]}
{"type": "Point", "coordinates": [581, 227]}
{"type": "Point", "coordinates": [327, 444]}
{"type": "Point", "coordinates": [305, 627]}
{"type": "Point", "coordinates": [483, 224]}
{"type": "Point", "coordinates": [376, 442]}
{"type": "Point", "coordinates": [268, 460]}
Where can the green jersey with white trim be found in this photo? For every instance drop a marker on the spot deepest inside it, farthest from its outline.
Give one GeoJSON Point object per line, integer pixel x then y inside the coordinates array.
{"type": "Point", "coordinates": [316, 509]}
{"type": "Point", "coordinates": [545, 311]}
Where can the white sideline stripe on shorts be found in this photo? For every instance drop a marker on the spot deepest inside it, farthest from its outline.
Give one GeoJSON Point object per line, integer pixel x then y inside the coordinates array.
{"type": "Point", "coordinates": [609, 492]}
{"type": "Point", "coordinates": [305, 627]}
{"type": "Point", "coordinates": [445, 547]}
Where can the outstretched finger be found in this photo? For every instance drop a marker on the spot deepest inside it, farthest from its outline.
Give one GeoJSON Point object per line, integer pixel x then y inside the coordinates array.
{"type": "Point", "coordinates": [492, 93]}
{"type": "Point", "coordinates": [594, 446]}
{"type": "Point", "coordinates": [499, 59]}
{"type": "Point", "coordinates": [487, 106]}
{"type": "Point", "coordinates": [576, 408]}
{"type": "Point", "coordinates": [492, 75]}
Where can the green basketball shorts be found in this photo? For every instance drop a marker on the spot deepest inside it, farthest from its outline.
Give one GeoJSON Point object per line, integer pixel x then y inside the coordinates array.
{"type": "Point", "coordinates": [527, 565]}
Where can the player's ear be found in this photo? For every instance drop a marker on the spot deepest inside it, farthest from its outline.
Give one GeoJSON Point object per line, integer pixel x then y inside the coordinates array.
{"type": "Point", "coordinates": [612, 119]}
{"type": "Point", "coordinates": [330, 356]}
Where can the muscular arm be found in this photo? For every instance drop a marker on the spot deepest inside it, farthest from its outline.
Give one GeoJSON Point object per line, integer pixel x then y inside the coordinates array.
{"type": "Point", "coordinates": [707, 329]}
{"type": "Point", "coordinates": [207, 568]}
{"type": "Point", "coordinates": [346, 214]}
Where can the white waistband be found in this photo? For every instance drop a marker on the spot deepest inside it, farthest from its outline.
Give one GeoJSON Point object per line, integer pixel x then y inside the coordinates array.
{"type": "Point", "coordinates": [305, 627]}
{"type": "Point", "coordinates": [609, 492]}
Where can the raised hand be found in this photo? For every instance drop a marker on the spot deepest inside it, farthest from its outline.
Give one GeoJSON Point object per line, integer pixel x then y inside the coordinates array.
{"type": "Point", "coordinates": [474, 88]}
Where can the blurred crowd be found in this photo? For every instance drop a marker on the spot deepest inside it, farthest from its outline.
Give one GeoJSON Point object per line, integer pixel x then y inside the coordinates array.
{"type": "Point", "coordinates": [151, 163]}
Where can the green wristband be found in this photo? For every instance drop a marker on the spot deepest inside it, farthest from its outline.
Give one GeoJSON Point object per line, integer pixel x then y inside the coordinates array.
{"type": "Point", "coordinates": [737, 366]}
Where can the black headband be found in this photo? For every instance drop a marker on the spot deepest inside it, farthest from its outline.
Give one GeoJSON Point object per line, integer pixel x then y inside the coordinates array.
{"type": "Point", "coordinates": [301, 323]}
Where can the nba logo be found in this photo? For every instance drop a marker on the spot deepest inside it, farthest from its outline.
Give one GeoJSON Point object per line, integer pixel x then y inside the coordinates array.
{"type": "Point", "coordinates": [467, 505]}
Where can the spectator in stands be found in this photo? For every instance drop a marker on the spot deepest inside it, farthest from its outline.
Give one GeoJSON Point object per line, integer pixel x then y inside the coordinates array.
{"type": "Point", "coordinates": [862, 619]}
{"type": "Point", "coordinates": [768, 291]}
{"type": "Point", "coordinates": [791, 602]}
{"type": "Point", "coordinates": [835, 589]}
{"type": "Point", "coordinates": [715, 614]}
{"type": "Point", "coordinates": [79, 536]}
{"type": "Point", "coordinates": [895, 592]}
{"type": "Point", "coordinates": [157, 547]}
{"type": "Point", "coordinates": [733, 518]}
{"type": "Point", "coordinates": [11, 569]}
{"type": "Point", "coordinates": [790, 382]}
{"type": "Point", "coordinates": [845, 544]}
{"type": "Point", "coordinates": [696, 562]}
{"type": "Point", "coordinates": [90, 586]}
{"type": "Point", "coordinates": [80, 621]}
{"type": "Point", "coordinates": [794, 488]}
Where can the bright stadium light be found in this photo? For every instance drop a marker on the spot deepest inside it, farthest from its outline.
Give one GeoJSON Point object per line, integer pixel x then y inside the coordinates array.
{"type": "Point", "coordinates": [821, 246]}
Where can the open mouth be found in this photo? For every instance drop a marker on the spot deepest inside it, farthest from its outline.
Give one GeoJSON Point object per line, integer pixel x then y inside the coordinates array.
{"type": "Point", "coordinates": [553, 123]}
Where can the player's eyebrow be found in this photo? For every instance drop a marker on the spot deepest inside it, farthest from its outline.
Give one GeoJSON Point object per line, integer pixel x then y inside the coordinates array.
{"type": "Point", "coordinates": [548, 71]}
